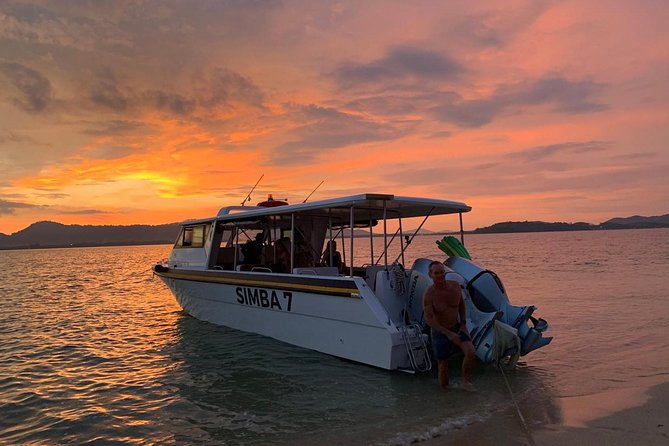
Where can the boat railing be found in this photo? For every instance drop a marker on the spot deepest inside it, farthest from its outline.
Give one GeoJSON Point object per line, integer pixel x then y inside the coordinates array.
{"type": "Point", "coordinates": [261, 269]}
{"type": "Point", "coordinates": [317, 271]}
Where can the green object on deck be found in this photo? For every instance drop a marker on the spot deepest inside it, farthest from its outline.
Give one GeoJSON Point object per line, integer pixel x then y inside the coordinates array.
{"type": "Point", "coordinates": [452, 247]}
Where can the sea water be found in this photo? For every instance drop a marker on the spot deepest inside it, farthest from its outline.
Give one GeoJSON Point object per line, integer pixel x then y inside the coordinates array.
{"type": "Point", "coordinates": [95, 350]}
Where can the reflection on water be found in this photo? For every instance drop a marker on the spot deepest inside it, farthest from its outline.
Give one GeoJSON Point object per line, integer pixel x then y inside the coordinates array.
{"type": "Point", "coordinates": [93, 349]}
{"type": "Point", "coordinates": [252, 388]}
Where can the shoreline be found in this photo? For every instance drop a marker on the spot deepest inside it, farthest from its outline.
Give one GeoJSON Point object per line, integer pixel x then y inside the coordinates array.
{"type": "Point", "coordinates": [593, 419]}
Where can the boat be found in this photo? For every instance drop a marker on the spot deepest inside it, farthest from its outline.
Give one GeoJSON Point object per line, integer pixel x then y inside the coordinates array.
{"type": "Point", "coordinates": [260, 269]}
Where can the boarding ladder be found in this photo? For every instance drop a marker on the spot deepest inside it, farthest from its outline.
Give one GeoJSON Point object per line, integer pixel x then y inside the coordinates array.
{"type": "Point", "coordinates": [414, 341]}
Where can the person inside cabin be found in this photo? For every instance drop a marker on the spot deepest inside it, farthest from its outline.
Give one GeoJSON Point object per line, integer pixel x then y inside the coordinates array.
{"type": "Point", "coordinates": [252, 250]}
{"type": "Point", "coordinates": [282, 255]}
{"type": "Point", "coordinates": [444, 310]}
{"type": "Point", "coordinates": [336, 256]}
{"type": "Point", "coordinates": [304, 253]}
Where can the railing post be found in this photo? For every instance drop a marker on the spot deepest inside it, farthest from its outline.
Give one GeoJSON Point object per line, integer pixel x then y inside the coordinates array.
{"type": "Point", "coordinates": [352, 224]}
{"type": "Point", "coordinates": [330, 235]}
{"type": "Point", "coordinates": [385, 235]}
{"type": "Point", "coordinates": [292, 242]}
{"type": "Point", "coordinates": [234, 263]}
{"type": "Point", "coordinates": [371, 240]}
{"type": "Point", "coordinates": [401, 241]}
{"type": "Point", "coordinates": [462, 230]}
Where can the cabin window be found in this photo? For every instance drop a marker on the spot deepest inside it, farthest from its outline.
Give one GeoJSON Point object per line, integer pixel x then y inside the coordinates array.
{"type": "Point", "coordinates": [192, 237]}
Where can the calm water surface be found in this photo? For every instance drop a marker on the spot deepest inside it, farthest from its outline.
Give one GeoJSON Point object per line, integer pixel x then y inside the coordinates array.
{"type": "Point", "coordinates": [94, 350]}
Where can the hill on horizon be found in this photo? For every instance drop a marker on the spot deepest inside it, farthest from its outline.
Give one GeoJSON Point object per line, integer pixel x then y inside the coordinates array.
{"type": "Point", "coordinates": [49, 234]}
{"type": "Point", "coordinates": [634, 222]}
{"type": "Point", "coordinates": [658, 221]}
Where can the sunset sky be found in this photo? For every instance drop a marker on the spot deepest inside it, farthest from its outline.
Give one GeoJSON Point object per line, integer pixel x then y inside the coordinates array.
{"type": "Point", "coordinates": [121, 112]}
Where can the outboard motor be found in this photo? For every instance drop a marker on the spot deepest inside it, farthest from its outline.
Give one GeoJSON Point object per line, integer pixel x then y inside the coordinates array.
{"type": "Point", "coordinates": [488, 294]}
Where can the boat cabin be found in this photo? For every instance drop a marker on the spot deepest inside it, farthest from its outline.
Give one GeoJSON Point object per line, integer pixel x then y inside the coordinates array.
{"type": "Point", "coordinates": [296, 239]}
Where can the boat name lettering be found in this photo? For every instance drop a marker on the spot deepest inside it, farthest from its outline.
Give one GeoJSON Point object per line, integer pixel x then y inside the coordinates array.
{"type": "Point", "coordinates": [261, 297]}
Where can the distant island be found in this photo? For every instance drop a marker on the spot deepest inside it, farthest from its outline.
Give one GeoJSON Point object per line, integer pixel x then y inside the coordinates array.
{"type": "Point", "coordinates": [634, 222]}
{"type": "Point", "coordinates": [48, 234]}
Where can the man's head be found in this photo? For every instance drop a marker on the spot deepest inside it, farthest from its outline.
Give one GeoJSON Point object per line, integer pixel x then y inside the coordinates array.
{"type": "Point", "coordinates": [437, 271]}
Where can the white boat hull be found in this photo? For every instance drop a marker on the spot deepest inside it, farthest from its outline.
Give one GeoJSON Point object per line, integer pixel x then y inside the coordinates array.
{"type": "Point", "coordinates": [346, 321]}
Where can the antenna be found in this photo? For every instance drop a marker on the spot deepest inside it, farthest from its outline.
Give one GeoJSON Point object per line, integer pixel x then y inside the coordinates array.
{"type": "Point", "coordinates": [248, 197]}
{"type": "Point", "coordinates": [312, 192]}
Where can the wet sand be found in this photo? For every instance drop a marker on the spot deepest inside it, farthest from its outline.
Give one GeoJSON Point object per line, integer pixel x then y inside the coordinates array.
{"type": "Point", "coordinates": [616, 417]}
{"type": "Point", "coordinates": [592, 419]}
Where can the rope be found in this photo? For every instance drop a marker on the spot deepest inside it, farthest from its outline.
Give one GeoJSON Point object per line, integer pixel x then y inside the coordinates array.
{"type": "Point", "coordinates": [520, 415]}
{"type": "Point", "coordinates": [398, 278]}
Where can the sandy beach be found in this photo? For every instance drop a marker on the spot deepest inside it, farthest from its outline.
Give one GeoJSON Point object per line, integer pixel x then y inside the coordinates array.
{"type": "Point", "coordinates": [644, 419]}
{"type": "Point", "coordinates": [635, 415]}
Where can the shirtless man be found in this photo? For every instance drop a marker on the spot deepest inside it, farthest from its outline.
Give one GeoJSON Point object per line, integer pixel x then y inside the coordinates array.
{"type": "Point", "coordinates": [445, 312]}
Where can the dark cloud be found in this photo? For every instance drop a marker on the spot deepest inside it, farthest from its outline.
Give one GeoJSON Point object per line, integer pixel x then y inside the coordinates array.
{"type": "Point", "coordinates": [564, 95]}
{"type": "Point", "coordinates": [114, 127]}
{"type": "Point", "coordinates": [110, 152]}
{"type": "Point", "coordinates": [80, 212]}
{"type": "Point", "coordinates": [326, 129]}
{"type": "Point", "coordinates": [636, 156]}
{"type": "Point", "coordinates": [560, 94]}
{"type": "Point", "coordinates": [54, 195]}
{"type": "Point", "coordinates": [486, 166]}
{"type": "Point", "coordinates": [491, 28]}
{"type": "Point", "coordinates": [226, 86]}
{"type": "Point", "coordinates": [107, 94]}
{"type": "Point", "coordinates": [386, 105]}
{"type": "Point", "coordinates": [218, 87]}
{"type": "Point", "coordinates": [535, 169]}
{"type": "Point", "coordinates": [400, 63]}
{"type": "Point", "coordinates": [466, 113]}
{"type": "Point", "coordinates": [541, 152]}
{"type": "Point", "coordinates": [171, 102]}
{"type": "Point", "coordinates": [474, 30]}
{"type": "Point", "coordinates": [8, 207]}
{"type": "Point", "coordinates": [440, 135]}
{"type": "Point", "coordinates": [9, 136]}
{"type": "Point", "coordinates": [34, 87]}
{"type": "Point", "coordinates": [29, 13]}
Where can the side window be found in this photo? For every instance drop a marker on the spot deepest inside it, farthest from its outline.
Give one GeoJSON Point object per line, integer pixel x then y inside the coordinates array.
{"type": "Point", "coordinates": [192, 237]}
{"type": "Point", "coordinates": [188, 237]}
{"type": "Point", "coordinates": [198, 236]}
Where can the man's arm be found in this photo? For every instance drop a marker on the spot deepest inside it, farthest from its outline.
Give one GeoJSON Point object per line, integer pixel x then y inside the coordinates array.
{"type": "Point", "coordinates": [432, 320]}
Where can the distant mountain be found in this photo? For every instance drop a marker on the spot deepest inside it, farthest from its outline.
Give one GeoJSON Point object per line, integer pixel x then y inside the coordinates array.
{"type": "Point", "coordinates": [534, 226]}
{"type": "Point", "coordinates": [637, 221]}
{"type": "Point", "coordinates": [48, 234]}
{"type": "Point", "coordinates": [634, 222]}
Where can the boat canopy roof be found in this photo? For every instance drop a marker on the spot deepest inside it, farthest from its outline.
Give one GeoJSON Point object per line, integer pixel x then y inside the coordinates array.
{"type": "Point", "coordinates": [366, 207]}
